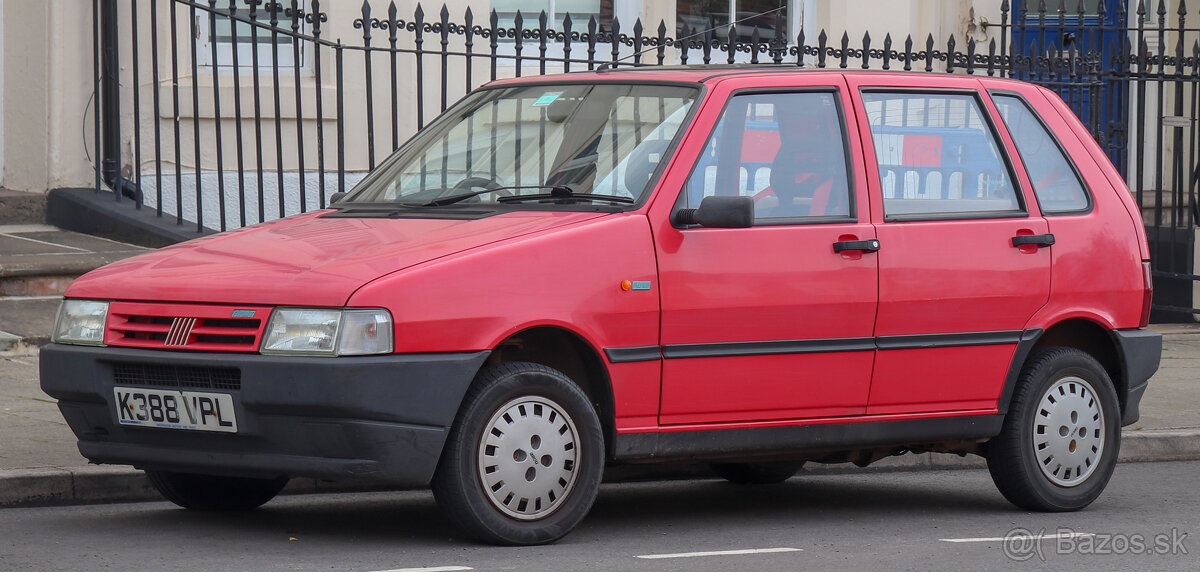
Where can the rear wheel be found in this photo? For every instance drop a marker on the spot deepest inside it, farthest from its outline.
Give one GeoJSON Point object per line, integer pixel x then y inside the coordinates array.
{"type": "Point", "coordinates": [1061, 437]}
{"type": "Point", "coordinates": [757, 473]}
{"type": "Point", "coordinates": [208, 492]}
{"type": "Point", "coordinates": [523, 461]}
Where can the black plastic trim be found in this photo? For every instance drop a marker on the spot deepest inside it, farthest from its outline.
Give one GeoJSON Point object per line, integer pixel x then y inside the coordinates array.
{"type": "Point", "coordinates": [632, 354]}
{"type": "Point", "coordinates": [811, 440]}
{"type": "Point", "coordinates": [1140, 352]}
{"type": "Point", "coordinates": [948, 340]}
{"type": "Point", "coordinates": [962, 215]}
{"type": "Point", "coordinates": [379, 417]}
{"type": "Point", "coordinates": [773, 347]}
{"type": "Point", "coordinates": [1028, 339]}
{"type": "Point", "coordinates": [1040, 240]}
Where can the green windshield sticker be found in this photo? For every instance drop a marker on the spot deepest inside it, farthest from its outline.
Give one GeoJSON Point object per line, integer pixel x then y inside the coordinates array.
{"type": "Point", "coordinates": [547, 98]}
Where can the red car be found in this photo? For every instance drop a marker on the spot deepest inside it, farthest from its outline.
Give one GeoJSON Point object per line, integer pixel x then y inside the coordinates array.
{"type": "Point", "coordinates": [749, 266]}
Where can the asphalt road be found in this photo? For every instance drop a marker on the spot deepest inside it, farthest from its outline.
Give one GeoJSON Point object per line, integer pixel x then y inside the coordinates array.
{"type": "Point", "coordinates": [1149, 518]}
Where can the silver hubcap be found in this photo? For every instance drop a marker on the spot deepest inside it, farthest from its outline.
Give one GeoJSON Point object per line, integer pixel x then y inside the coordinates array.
{"type": "Point", "coordinates": [1068, 432]}
{"type": "Point", "coordinates": [527, 457]}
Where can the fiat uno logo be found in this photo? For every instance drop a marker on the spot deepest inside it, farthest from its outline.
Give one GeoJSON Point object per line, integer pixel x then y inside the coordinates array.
{"type": "Point", "coordinates": [181, 329]}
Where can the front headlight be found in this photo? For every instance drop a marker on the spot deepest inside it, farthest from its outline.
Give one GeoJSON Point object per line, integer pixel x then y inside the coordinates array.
{"type": "Point", "coordinates": [81, 322]}
{"type": "Point", "coordinates": [328, 332]}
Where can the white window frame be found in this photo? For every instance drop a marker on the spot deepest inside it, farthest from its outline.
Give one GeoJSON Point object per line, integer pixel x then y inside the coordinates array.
{"type": "Point", "coordinates": [801, 14]}
{"type": "Point", "coordinates": [246, 49]}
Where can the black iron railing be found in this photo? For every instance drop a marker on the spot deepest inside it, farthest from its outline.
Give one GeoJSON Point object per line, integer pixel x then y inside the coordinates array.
{"type": "Point", "coordinates": [256, 110]}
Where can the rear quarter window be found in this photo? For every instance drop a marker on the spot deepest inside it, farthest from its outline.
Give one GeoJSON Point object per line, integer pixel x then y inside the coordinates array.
{"type": "Point", "coordinates": [1056, 181]}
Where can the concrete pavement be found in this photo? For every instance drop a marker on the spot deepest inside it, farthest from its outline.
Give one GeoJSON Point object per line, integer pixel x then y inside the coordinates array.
{"type": "Point", "coordinates": [40, 465]}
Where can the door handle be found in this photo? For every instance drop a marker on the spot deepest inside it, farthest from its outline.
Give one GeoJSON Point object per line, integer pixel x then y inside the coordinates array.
{"type": "Point", "coordinates": [871, 245]}
{"type": "Point", "coordinates": [1033, 239]}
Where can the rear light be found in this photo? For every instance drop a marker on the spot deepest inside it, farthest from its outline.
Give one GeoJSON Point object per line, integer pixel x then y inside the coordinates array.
{"type": "Point", "coordinates": [1147, 293]}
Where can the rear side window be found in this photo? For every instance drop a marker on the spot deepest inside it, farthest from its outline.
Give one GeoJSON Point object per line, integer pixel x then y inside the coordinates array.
{"type": "Point", "coordinates": [1055, 180]}
{"type": "Point", "coordinates": [937, 156]}
{"type": "Point", "coordinates": [784, 149]}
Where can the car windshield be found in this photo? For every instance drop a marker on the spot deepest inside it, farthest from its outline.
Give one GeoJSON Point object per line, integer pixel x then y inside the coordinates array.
{"type": "Point", "coordinates": [566, 143]}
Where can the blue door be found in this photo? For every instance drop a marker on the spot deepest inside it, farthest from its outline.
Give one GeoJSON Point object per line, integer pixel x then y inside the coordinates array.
{"type": "Point", "coordinates": [1043, 42]}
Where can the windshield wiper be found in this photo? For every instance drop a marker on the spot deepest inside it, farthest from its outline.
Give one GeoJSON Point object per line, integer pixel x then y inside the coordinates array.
{"type": "Point", "coordinates": [458, 198]}
{"type": "Point", "coordinates": [564, 192]}
{"type": "Point", "coordinates": [556, 192]}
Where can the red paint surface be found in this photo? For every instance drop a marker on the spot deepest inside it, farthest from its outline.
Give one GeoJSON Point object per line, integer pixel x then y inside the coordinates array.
{"type": "Point", "coordinates": [466, 285]}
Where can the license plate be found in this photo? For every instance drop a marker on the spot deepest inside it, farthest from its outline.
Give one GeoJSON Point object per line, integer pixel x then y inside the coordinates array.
{"type": "Point", "coordinates": [190, 410]}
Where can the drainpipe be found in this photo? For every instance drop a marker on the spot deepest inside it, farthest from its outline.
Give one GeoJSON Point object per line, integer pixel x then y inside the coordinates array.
{"type": "Point", "coordinates": [109, 104]}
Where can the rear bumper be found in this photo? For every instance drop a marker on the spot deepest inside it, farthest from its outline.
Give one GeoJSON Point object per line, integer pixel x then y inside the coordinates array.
{"type": "Point", "coordinates": [383, 417]}
{"type": "Point", "coordinates": [1140, 352]}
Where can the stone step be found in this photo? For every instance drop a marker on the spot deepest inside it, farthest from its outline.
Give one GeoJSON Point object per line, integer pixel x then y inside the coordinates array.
{"type": "Point", "coordinates": [40, 260]}
{"type": "Point", "coordinates": [37, 263]}
{"type": "Point", "coordinates": [22, 208]}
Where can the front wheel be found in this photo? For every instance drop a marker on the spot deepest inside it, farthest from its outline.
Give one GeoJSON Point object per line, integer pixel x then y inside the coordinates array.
{"type": "Point", "coordinates": [1061, 436]}
{"type": "Point", "coordinates": [522, 463]}
{"type": "Point", "coordinates": [208, 492]}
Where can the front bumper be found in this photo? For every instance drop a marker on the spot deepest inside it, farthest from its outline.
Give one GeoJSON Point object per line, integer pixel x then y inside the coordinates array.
{"type": "Point", "coordinates": [378, 417]}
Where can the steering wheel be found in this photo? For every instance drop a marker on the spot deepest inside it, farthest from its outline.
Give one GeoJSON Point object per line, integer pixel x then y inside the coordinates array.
{"type": "Point", "coordinates": [640, 166]}
{"type": "Point", "coordinates": [478, 182]}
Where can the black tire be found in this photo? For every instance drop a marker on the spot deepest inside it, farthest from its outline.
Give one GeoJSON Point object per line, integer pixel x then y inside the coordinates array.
{"type": "Point", "coordinates": [757, 473]}
{"type": "Point", "coordinates": [1062, 434]}
{"type": "Point", "coordinates": [507, 488]}
{"type": "Point", "coordinates": [208, 492]}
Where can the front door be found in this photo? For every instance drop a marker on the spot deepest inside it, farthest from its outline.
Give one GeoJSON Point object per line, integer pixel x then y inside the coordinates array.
{"type": "Point", "coordinates": [771, 322]}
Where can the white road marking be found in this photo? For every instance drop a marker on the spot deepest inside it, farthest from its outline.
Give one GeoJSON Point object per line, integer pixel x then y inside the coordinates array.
{"type": "Point", "coordinates": [430, 569]}
{"type": "Point", "coordinates": [1033, 536]}
{"type": "Point", "coordinates": [718, 553]}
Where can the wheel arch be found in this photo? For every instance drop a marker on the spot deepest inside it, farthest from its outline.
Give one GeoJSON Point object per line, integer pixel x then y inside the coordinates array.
{"type": "Point", "coordinates": [568, 352]}
{"type": "Point", "coordinates": [1083, 334]}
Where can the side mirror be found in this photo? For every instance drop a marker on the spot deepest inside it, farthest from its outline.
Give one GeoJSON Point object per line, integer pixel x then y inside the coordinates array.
{"type": "Point", "coordinates": [335, 197]}
{"type": "Point", "coordinates": [719, 212]}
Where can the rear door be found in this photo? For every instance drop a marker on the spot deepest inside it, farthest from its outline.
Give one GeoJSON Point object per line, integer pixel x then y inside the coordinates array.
{"type": "Point", "coordinates": [964, 258]}
{"type": "Point", "coordinates": [770, 322]}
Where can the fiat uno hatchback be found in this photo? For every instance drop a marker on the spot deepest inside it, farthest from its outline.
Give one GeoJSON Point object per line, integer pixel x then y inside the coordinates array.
{"type": "Point", "coordinates": [750, 267]}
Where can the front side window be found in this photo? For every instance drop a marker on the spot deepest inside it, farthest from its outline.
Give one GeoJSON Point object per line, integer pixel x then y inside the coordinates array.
{"type": "Point", "coordinates": [604, 140]}
{"type": "Point", "coordinates": [1055, 181]}
{"type": "Point", "coordinates": [786, 150]}
{"type": "Point", "coordinates": [937, 155]}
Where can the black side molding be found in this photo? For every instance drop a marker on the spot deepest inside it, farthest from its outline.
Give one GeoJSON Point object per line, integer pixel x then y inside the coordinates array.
{"type": "Point", "coordinates": [632, 354]}
{"type": "Point", "coordinates": [801, 440]}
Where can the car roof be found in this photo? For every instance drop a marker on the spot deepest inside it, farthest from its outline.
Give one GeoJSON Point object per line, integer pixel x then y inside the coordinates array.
{"type": "Point", "coordinates": [708, 73]}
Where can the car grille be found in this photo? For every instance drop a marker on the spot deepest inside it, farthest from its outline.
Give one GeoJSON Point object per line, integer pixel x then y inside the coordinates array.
{"type": "Point", "coordinates": [185, 326]}
{"type": "Point", "coordinates": [177, 376]}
